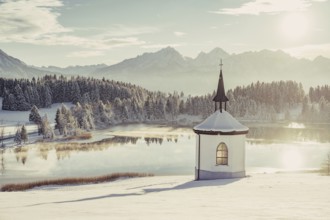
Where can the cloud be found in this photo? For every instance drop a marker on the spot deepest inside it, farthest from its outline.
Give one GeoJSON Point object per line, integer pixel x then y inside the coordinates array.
{"type": "Point", "coordinates": [25, 19]}
{"type": "Point", "coordinates": [36, 22]}
{"type": "Point", "coordinates": [257, 7]}
{"type": "Point", "coordinates": [179, 34]}
{"type": "Point", "coordinates": [310, 51]}
{"type": "Point", "coordinates": [92, 43]}
{"type": "Point", "coordinates": [86, 53]}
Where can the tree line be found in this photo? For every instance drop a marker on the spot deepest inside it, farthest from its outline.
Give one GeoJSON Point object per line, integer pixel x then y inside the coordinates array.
{"type": "Point", "coordinates": [99, 103]}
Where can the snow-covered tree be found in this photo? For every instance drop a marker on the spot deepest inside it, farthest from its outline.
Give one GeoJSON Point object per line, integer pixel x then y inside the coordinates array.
{"type": "Point", "coordinates": [18, 137]}
{"type": "Point", "coordinates": [60, 121]}
{"type": "Point", "coordinates": [46, 97]}
{"type": "Point", "coordinates": [22, 104]}
{"type": "Point", "coordinates": [46, 129]}
{"type": "Point", "coordinates": [24, 134]}
{"type": "Point", "coordinates": [35, 115]}
{"type": "Point", "coordinates": [9, 102]}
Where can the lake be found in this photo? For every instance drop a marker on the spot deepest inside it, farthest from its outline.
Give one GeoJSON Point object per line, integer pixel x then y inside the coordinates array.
{"type": "Point", "coordinates": [162, 150]}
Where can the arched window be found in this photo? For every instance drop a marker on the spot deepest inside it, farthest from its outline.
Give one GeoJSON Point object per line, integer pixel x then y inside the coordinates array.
{"type": "Point", "coordinates": [222, 154]}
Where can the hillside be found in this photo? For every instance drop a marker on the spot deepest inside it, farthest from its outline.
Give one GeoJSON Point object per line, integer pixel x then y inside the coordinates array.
{"type": "Point", "coordinates": [11, 67]}
{"type": "Point", "coordinates": [259, 196]}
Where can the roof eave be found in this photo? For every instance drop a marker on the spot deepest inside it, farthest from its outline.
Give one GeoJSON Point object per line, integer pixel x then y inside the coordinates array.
{"type": "Point", "coordinates": [210, 132]}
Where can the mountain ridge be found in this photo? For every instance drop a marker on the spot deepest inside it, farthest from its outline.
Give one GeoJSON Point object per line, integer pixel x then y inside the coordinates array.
{"type": "Point", "coordinates": [11, 67]}
{"type": "Point", "coordinates": [168, 70]}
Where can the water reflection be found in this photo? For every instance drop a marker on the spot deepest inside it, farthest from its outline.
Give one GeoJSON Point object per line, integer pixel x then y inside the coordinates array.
{"type": "Point", "coordinates": [63, 150]}
{"type": "Point", "coordinates": [256, 135]}
{"type": "Point", "coordinates": [271, 134]}
{"type": "Point", "coordinates": [169, 138]}
{"type": "Point", "coordinates": [21, 154]}
{"type": "Point", "coordinates": [268, 148]}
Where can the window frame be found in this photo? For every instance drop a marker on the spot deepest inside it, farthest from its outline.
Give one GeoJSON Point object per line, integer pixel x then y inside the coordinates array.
{"type": "Point", "coordinates": [222, 155]}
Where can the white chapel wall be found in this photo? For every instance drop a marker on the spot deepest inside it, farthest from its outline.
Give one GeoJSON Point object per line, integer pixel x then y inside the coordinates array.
{"type": "Point", "coordinates": [236, 152]}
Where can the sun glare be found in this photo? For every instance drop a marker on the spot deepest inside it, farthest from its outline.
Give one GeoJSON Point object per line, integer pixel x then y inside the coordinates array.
{"type": "Point", "coordinates": [292, 159]}
{"type": "Point", "coordinates": [294, 26]}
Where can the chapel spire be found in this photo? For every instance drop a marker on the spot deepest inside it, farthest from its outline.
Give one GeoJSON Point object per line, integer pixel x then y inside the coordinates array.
{"type": "Point", "coordinates": [220, 97]}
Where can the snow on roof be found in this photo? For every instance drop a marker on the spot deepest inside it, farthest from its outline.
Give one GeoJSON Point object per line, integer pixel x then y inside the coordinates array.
{"type": "Point", "coordinates": [221, 123]}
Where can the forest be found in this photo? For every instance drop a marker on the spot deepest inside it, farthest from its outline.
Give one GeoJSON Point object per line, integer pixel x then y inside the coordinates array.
{"type": "Point", "coordinates": [99, 103]}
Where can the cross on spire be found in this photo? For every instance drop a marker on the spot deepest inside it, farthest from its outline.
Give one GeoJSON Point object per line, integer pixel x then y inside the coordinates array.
{"type": "Point", "coordinates": [220, 64]}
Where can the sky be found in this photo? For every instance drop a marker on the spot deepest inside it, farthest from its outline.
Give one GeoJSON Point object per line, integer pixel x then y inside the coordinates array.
{"type": "Point", "coordinates": [85, 32]}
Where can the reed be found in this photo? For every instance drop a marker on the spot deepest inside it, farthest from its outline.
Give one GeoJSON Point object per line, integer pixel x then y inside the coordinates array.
{"type": "Point", "coordinates": [71, 181]}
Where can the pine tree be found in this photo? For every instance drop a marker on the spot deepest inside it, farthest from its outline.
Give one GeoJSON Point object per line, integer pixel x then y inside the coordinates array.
{"type": "Point", "coordinates": [9, 102]}
{"type": "Point", "coordinates": [148, 108]}
{"type": "Point", "coordinates": [102, 114]}
{"type": "Point", "coordinates": [181, 107]}
{"type": "Point", "coordinates": [169, 108]}
{"type": "Point", "coordinates": [60, 121]}
{"type": "Point", "coordinates": [24, 135]}
{"type": "Point", "coordinates": [75, 92]}
{"type": "Point", "coordinates": [46, 130]}
{"type": "Point", "coordinates": [18, 137]}
{"type": "Point", "coordinates": [305, 111]}
{"type": "Point", "coordinates": [22, 104]}
{"type": "Point", "coordinates": [71, 123]}
{"type": "Point", "coordinates": [47, 97]}
{"type": "Point", "coordinates": [35, 116]}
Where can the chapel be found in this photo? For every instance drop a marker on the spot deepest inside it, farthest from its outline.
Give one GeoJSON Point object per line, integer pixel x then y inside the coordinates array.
{"type": "Point", "coordinates": [220, 141]}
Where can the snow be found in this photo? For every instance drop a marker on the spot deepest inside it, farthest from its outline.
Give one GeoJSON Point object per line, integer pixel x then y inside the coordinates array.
{"type": "Point", "coordinates": [260, 196]}
{"type": "Point", "coordinates": [12, 119]}
{"type": "Point", "coordinates": [221, 121]}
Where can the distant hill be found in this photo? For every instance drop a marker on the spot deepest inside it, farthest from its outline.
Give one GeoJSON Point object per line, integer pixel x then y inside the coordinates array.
{"type": "Point", "coordinates": [168, 70]}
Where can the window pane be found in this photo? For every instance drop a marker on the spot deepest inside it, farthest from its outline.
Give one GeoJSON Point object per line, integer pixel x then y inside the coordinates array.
{"type": "Point", "coordinates": [222, 154]}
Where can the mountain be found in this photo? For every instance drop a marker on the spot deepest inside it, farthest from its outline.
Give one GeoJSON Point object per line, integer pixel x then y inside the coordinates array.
{"type": "Point", "coordinates": [11, 67]}
{"type": "Point", "coordinates": [73, 70]}
{"type": "Point", "coordinates": [168, 70]}
{"type": "Point", "coordinates": [211, 58]}
{"type": "Point", "coordinates": [167, 59]}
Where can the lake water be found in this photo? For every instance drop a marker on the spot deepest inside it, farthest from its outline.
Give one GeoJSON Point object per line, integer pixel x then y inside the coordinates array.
{"type": "Point", "coordinates": [162, 151]}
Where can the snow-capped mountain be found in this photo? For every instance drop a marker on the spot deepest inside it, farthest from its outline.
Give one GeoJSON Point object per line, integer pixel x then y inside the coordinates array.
{"type": "Point", "coordinates": [11, 67]}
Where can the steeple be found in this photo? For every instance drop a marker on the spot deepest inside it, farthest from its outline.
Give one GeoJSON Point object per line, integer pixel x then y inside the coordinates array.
{"type": "Point", "coordinates": [220, 97]}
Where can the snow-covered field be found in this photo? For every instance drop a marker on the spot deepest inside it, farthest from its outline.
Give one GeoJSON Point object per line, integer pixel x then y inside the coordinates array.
{"type": "Point", "coordinates": [260, 196]}
{"type": "Point", "coordinates": [10, 120]}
